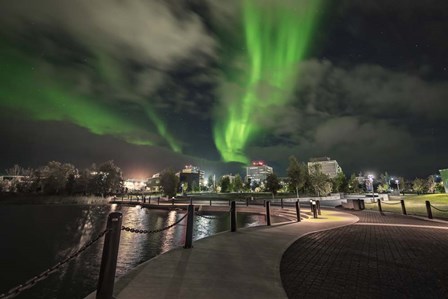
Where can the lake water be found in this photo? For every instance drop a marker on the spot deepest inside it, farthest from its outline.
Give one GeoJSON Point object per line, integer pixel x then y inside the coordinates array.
{"type": "Point", "coordinates": [36, 237]}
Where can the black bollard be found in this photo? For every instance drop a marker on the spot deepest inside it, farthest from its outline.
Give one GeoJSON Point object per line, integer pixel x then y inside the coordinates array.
{"type": "Point", "coordinates": [298, 211]}
{"type": "Point", "coordinates": [233, 217]}
{"type": "Point", "coordinates": [318, 207]}
{"type": "Point", "coordinates": [247, 202]}
{"type": "Point", "coordinates": [314, 209]}
{"type": "Point", "coordinates": [108, 268]}
{"type": "Point", "coordinates": [268, 213]}
{"type": "Point", "coordinates": [172, 201]}
{"type": "Point", "coordinates": [403, 207]}
{"type": "Point", "coordinates": [190, 223]}
{"type": "Point", "coordinates": [428, 209]}
{"type": "Point", "coordinates": [281, 202]}
{"type": "Point", "coordinates": [379, 206]}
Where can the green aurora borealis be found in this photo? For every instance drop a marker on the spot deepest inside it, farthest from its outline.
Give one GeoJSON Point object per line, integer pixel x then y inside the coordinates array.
{"type": "Point", "coordinates": [277, 37]}
{"type": "Point", "coordinates": [29, 88]}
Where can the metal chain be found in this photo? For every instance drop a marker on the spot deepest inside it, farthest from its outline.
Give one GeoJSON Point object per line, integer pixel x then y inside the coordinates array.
{"type": "Point", "coordinates": [393, 203]}
{"type": "Point", "coordinates": [31, 282]}
{"type": "Point", "coordinates": [445, 211]}
{"type": "Point", "coordinates": [143, 231]}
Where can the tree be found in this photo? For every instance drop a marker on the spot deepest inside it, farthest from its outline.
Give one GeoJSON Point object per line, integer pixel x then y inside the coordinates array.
{"type": "Point", "coordinates": [238, 183]}
{"type": "Point", "coordinates": [106, 179]}
{"type": "Point", "coordinates": [297, 174]}
{"type": "Point", "coordinates": [272, 184]}
{"type": "Point", "coordinates": [340, 183]}
{"type": "Point", "coordinates": [418, 185]}
{"type": "Point", "coordinates": [383, 188]}
{"type": "Point", "coordinates": [210, 182]}
{"type": "Point", "coordinates": [431, 184]}
{"type": "Point", "coordinates": [225, 184]}
{"type": "Point", "coordinates": [353, 184]}
{"type": "Point", "coordinates": [169, 183]}
{"type": "Point", "coordinates": [319, 181]}
{"type": "Point", "coordinates": [55, 176]}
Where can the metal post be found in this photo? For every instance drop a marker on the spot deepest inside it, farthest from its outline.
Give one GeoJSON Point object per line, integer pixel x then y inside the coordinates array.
{"type": "Point", "coordinates": [210, 202]}
{"type": "Point", "coordinates": [318, 207]}
{"type": "Point", "coordinates": [106, 280]}
{"type": "Point", "coordinates": [158, 201]}
{"type": "Point", "coordinates": [298, 211]}
{"type": "Point", "coordinates": [281, 202]}
{"type": "Point", "coordinates": [268, 213]}
{"type": "Point", "coordinates": [172, 201]}
{"type": "Point", "coordinates": [190, 223]}
{"type": "Point", "coordinates": [314, 209]}
{"type": "Point", "coordinates": [233, 217]}
{"type": "Point", "coordinates": [247, 202]}
{"type": "Point", "coordinates": [403, 207]}
{"type": "Point", "coordinates": [379, 206]}
{"type": "Point", "coordinates": [428, 209]}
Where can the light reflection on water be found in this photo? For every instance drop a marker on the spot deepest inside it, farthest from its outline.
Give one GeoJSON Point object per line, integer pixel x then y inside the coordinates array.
{"type": "Point", "coordinates": [34, 238]}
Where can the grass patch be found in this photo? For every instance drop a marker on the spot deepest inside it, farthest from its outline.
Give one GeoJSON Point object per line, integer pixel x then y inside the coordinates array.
{"type": "Point", "coordinates": [415, 205]}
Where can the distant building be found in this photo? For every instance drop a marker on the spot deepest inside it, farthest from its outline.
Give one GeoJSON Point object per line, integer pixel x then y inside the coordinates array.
{"type": "Point", "coordinates": [444, 175]}
{"type": "Point", "coordinates": [258, 172]}
{"type": "Point", "coordinates": [135, 184]}
{"type": "Point", "coordinates": [193, 176]}
{"type": "Point", "coordinates": [153, 183]}
{"type": "Point", "coordinates": [327, 166]}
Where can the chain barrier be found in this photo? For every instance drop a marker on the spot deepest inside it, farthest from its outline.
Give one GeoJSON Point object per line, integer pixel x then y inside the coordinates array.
{"type": "Point", "coordinates": [440, 210]}
{"type": "Point", "coordinates": [31, 282]}
{"type": "Point", "coordinates": [391, 203]}
{"type": "Point", "coordinates": [143, 231]}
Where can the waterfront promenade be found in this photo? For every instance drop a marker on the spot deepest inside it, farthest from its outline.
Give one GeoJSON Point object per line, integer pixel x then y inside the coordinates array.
{"type": "Point", "coordinates": [342, 254]}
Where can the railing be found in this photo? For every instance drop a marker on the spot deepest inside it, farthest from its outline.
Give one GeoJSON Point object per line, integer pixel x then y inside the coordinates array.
{"type": "Point", "coordinates": [112, 235]}
{"type": "Point", "coordinates": [428, 207]}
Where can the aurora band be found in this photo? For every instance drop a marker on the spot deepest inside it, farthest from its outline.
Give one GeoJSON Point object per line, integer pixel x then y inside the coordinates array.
{"type": "Point", "coordinates": [277, 36]}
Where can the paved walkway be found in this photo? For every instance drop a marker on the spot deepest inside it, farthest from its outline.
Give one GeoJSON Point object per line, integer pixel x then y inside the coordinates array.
{"type": "Point", "coordinates": [244, 264]}
{"type": "Point", "coordinates": [381, 256]}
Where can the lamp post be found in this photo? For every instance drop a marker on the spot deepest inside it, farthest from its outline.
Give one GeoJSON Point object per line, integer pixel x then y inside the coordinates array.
{"type": "Point", "coordinates": [370, 178]}
{"type": "Point", "coordinates": [398, 186]}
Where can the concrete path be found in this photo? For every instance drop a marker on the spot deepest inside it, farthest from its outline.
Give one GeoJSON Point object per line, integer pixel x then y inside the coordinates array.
{"type": "Point", "coordinates": [244, 264]}
{"type": "Point", "coordinates": [381, 256]}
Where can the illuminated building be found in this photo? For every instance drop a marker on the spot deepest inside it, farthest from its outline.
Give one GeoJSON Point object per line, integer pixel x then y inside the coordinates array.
{"type": "Point", "coordinates": [135, 184]}
{"type": "Point", "coordinates": [258, 172]}
{"type": "Point", "coordinates": [193, 176]}
{"type": "Point", "coordinates": [153, 183]}
{"type": "Point", "coordinates": [327, 166]}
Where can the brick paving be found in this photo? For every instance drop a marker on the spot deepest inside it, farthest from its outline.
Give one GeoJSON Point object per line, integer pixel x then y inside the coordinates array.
{"type": "Point", "coordinates": [370, 261]}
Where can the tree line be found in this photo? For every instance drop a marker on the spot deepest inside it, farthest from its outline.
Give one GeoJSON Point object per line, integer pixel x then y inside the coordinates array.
{"type": "Point", "coordinates": [56, 178]}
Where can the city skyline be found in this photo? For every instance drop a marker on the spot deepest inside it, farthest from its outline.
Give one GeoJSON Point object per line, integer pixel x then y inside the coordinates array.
{"type": "Point", "coordinates": [153, 84]}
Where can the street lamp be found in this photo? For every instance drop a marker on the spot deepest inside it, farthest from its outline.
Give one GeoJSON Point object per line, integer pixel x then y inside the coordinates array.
{"type": "Point", "coordinates": [398, 186]}
{"type": "Point", "coordinates": [370, 178]}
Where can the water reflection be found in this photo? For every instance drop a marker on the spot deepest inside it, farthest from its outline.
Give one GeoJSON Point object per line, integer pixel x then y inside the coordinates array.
{"type": "Point", "coordinates": [34, 238]}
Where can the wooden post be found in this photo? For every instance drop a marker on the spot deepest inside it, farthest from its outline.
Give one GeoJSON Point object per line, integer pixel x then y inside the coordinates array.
{"type": "Point", "coordinates": [233, 217]}
{"type": "Point", "coordinates": [268, 213]}
{"type": "Point", "coordinates": [403, 207]}
{"type": "Point", "coordinates": [298, 211]}
{"type": "Point", "coordinates": [428, 209]}
{"type": "Point", "coordinates": [189, 231]}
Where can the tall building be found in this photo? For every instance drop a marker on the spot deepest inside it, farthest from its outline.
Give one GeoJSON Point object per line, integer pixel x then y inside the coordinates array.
{"type": "Point", "coordinates": [327, 166]}
{"type": "Point", "coordinates": [153, 183]}
{"type": "Point", "coordinates": [258, 172]}
{"type": "Point", "coordinates": [193, 176]}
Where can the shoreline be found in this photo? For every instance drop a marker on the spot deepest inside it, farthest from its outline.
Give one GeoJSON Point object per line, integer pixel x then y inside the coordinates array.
{"type": "Point", "coordinates": [28, 199]}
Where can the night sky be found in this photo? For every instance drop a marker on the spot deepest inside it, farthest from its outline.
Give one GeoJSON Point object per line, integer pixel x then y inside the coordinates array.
{"type": "Point", "coordinates": [152, 84]}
